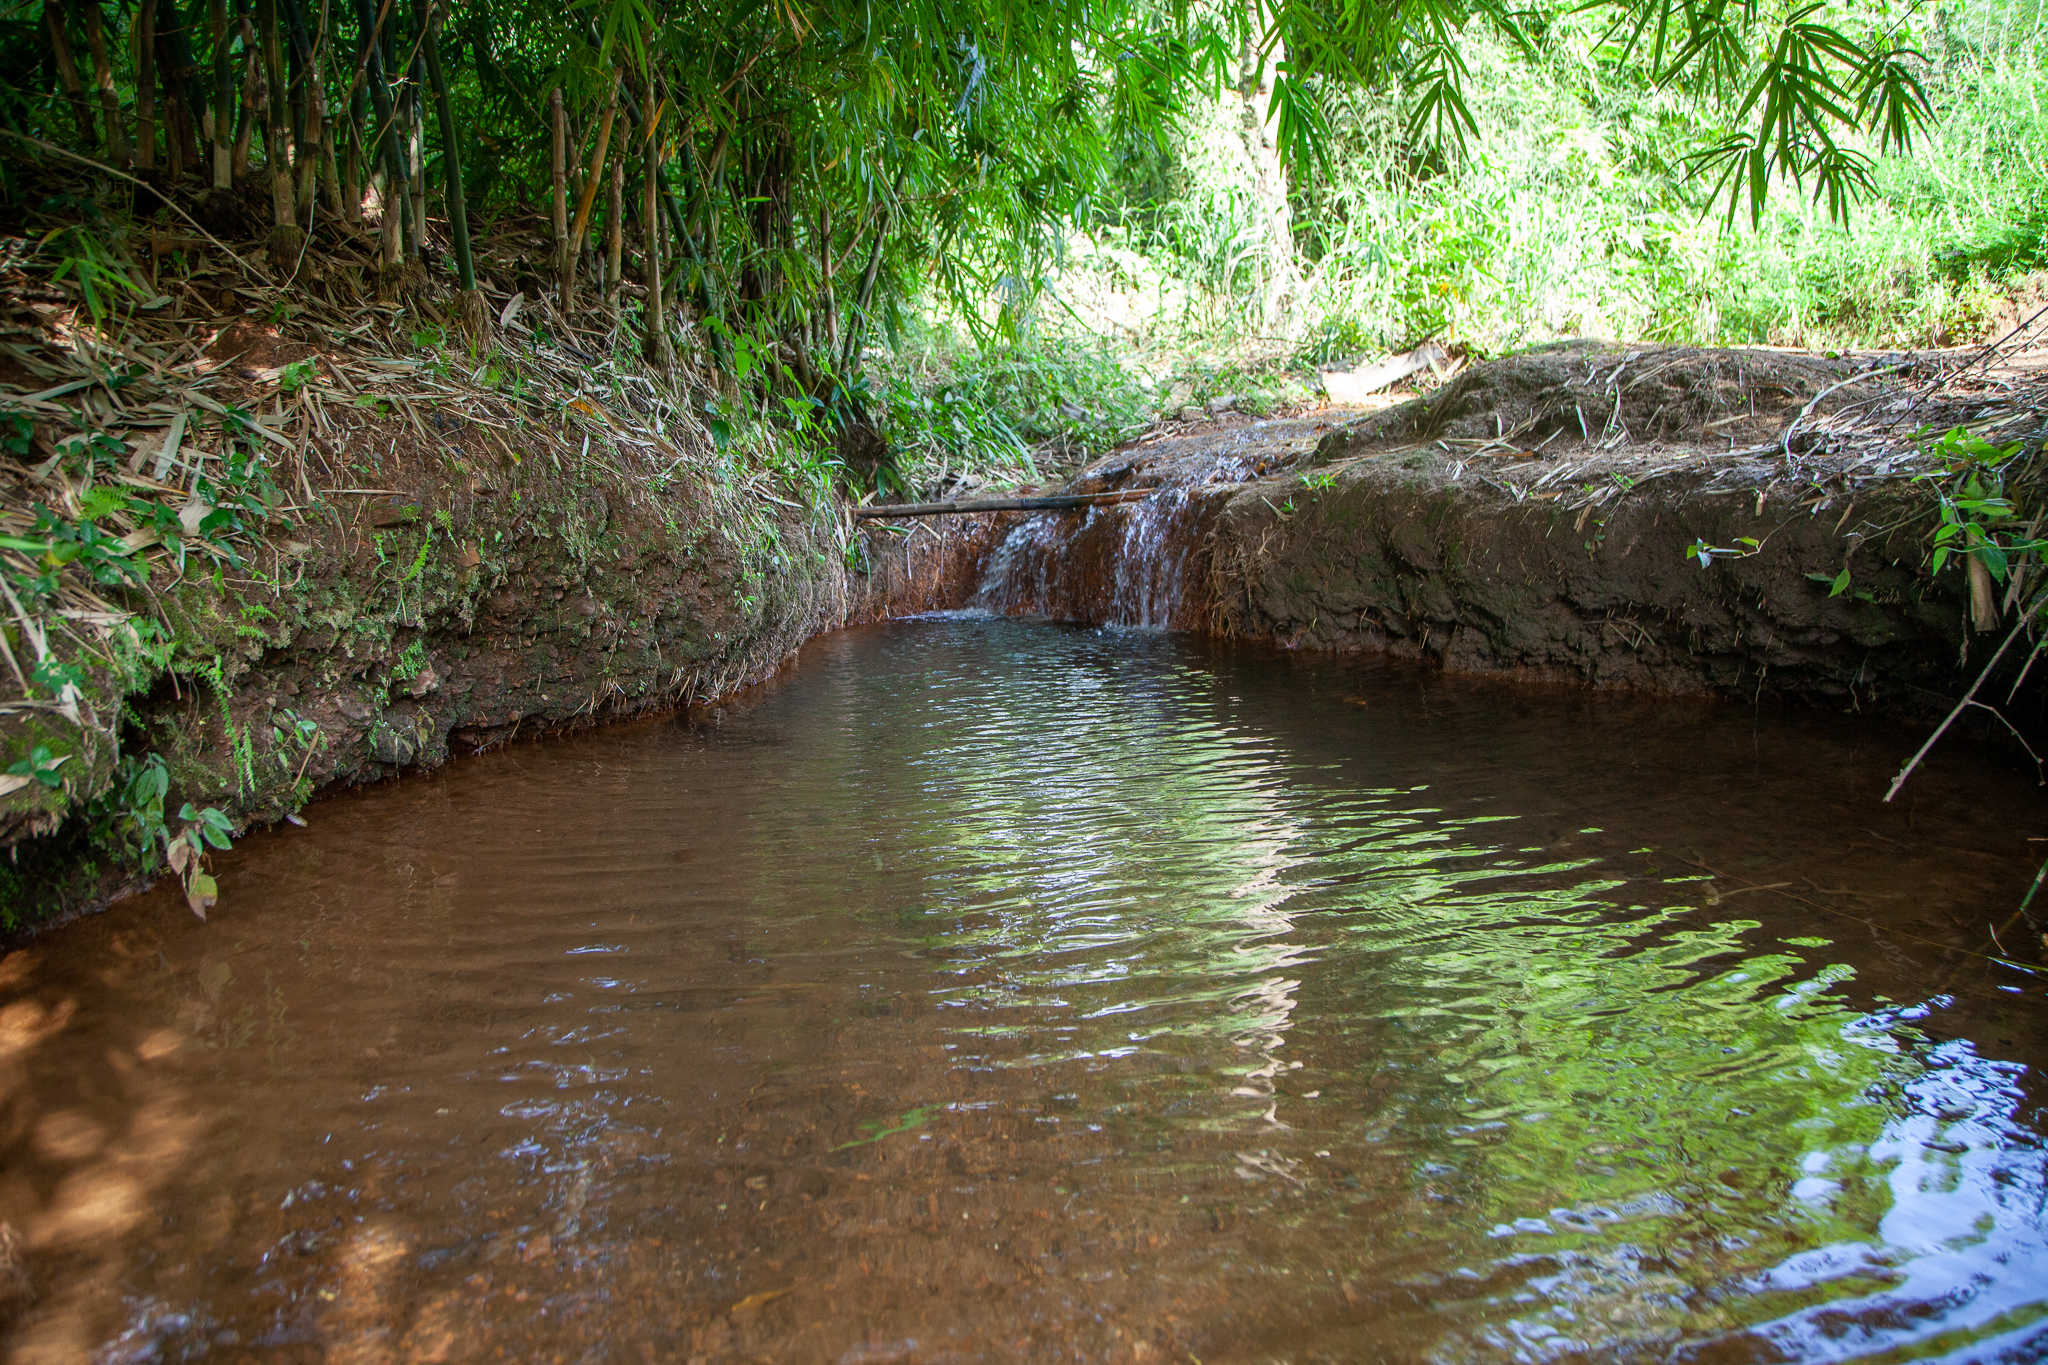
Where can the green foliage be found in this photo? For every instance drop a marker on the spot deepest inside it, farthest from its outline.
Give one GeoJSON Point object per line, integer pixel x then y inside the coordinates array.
{"type": "Point", "coordinates": [1977, 518]}
{"type": "Point", "coordinates": [410, 665]}
{"type": "Point", "coordinates": [41, 766]}
{"type": "Point", "coordinates": [56, 543]}
{"type": "Point", "coordinates": [17, 434]}
{"type": "Point", "coordinates": [1571, 209]}
{"type": "Point", "coordinates": [129, 815]}
{"type": "Point", "coordinates": [99, 273]}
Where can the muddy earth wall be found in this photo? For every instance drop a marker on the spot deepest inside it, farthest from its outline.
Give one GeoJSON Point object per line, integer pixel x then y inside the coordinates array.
{"type": "Point", "coordinates": [1282, 533]}
{"type": "Point", "coordinates": [468, 606]}
{"type": "Point", "coordinates": [1402, 560]}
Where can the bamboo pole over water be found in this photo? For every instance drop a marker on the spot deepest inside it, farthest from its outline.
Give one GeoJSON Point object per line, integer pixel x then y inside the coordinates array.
{"type": "Point", "coordinates": [1049, 503]}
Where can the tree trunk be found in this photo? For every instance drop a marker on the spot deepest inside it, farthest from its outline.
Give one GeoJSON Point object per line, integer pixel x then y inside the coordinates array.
{"type": "Point", "coordinates": [223, 98]}
{"type": "Point", "coordinates": [470, 309]}
{"type": "Point", "coordinates": [654, 347]}
{"type": "Point", "coordinates": [615, 235]}
{"type": "Point", "coordinates": [1261, 126]}
{"type": "Point", "coordinates": [581, 227]}
{"type": "Point", "coordinates": [284, 232]}
{"type": "Point", "coordinates": [144, 35]}
{"type": "Point", "coordinates": [103, 82]}
{"type": "Point", "coordinates": [67, 73]}
{"type": "Point", "coordinates": [558, 174]}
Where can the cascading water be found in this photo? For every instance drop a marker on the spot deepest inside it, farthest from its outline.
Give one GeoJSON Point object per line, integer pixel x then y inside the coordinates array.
{"type": "Point", "coordinates": [1126, 564]}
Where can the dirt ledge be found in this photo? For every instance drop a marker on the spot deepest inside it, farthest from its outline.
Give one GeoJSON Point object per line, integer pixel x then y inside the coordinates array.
{"type": "Point", "coordinates": [1488, 528]}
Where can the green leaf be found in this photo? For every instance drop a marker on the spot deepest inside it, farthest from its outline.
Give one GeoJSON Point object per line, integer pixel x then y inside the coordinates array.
{"type": "Point", "coordinates": [1840, 585]}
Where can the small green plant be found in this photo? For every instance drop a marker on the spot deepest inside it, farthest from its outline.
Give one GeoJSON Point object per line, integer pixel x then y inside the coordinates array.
{"type": "Point", "coordinates": [1970, 483]}
{"type": "Point", "coordinates": [1316, 480]}
{"type": "Point", "coordinates": [55, 543]}
{"type": "Point", "coordinates": [297, 375]}
{"type": "Point", "coordinates": [17, 434]}
{"type": "Point", "coordinates": [204, 829]}
{"type": "Point", "coordinates": [411, 663]}
{"type": "Point", "coordinates": [1706, 554]}
{"type": "Point", "coordinates": [88, 452]}
{"type": "Point", "coordinates": [41, 766]}
{"type": "Point", "coordinates": [102, 277]}
{"type": "Point", "coordinates": [102, 501]}
{"type": "Point", "coordinates": [129, 815]}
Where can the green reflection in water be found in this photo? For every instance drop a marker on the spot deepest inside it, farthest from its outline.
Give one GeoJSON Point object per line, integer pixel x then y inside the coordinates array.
{"type": "Point", "coordinates": [1612, 1119]}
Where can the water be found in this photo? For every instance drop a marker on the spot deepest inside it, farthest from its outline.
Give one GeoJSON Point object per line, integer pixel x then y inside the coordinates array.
{"type": "Point", "coordinates": [1128, 564]}
{"type": "Point", "coordinates": [988, 990]}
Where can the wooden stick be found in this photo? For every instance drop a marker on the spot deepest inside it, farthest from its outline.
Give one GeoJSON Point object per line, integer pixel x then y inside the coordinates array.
{"type": "Point", "coordinates": [1050, 503]}
{"type": "Point", "coordinates": [1968, 697]}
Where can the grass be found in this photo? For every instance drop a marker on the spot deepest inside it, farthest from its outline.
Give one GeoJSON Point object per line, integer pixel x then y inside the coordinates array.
{"type": "Point", "coordinates": [1569, 213]}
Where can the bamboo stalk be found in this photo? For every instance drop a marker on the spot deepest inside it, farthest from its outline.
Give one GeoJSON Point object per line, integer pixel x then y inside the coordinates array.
{"type": "Point", "coordinates": [323, 124]}
{"type": "Point", "coordinates": [252, 89]}
{"type": "Point", "coordinates": [304, 105]}
{"type": "Point", "coordinates": [284, 231]}
{"type": "Point", "coordinates": [371, 61]}
{"type": "Point", "coordinates": [416, 154]}
{"type": "Point", "coordinates": [184, 105]}
{"type": "Point", "coordinates": [655, 347]}
{"type": "Point", "coordinates": [470, 302]}
{"type": "Point", "coordinates": [558, 172]}
{"type": "Point", "coordinates": [103, 82]}
{"type": "Point", "coordinates": [1050, 503]}
{"type": "Point", "coordinates": [581, 228]}
{"type": "Point", "coordinates": [67, 73]}
{"type": "Point", "coordinates": [353, 160]}
{"type": "Point", "coordinates": [615, 234]}
{"type": "Point", "coordinates": [144, 35]}
{"type": "Point", "coordinates": [223, 99]}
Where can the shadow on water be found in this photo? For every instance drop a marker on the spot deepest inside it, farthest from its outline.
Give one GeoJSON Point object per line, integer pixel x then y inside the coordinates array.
{"type": "Point", "coordinates": [989, 990]}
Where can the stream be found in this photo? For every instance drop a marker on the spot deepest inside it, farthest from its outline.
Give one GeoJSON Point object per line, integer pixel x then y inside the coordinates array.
{"type": "Point", "coordinates": [991, 990]}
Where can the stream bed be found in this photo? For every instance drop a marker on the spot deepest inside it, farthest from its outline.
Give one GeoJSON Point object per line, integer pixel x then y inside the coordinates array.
{"type": "Point", "coordinates": [989, 990]}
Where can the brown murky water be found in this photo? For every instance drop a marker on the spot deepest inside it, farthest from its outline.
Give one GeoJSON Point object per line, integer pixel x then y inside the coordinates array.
{"type": "Point", "coordinates": [989, 990]}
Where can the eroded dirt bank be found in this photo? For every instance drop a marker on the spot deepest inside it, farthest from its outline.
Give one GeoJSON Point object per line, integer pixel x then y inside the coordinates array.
{"type": "Point", "coordinates": [457, 574]}
{"type": "Point", "coordinates": [1547, 515]}
{"type": "Point", "coordinates": [467, 610]}
{"type": "Point", "coordinates": [419, 564]}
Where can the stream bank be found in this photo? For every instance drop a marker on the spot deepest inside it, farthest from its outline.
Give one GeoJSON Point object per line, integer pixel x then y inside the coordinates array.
{"type": "Point", "coordinates": [1704, 522]}
{"type": "Point", "coordinates": [317, 563]}
{"type": "Point", "coordinates": [448, 571]}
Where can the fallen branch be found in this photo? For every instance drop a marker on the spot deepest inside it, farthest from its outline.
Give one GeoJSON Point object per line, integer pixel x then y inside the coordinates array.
{"type": "Point", "coordinates": [1050, 503]}
{"type": "Point", "coordinates": [1969, 697]}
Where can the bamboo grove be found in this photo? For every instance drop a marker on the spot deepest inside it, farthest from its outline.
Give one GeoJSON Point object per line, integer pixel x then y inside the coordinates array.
{"type": "Point", "coordinates": [787, 172]}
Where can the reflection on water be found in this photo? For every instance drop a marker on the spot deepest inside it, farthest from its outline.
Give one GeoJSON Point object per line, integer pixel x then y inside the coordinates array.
{"type": "Point", "coordinates": [996, 991]}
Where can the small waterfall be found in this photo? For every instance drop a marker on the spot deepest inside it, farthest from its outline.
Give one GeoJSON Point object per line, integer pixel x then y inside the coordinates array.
{"type": "Point", "coordinates": [1128, 564]}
